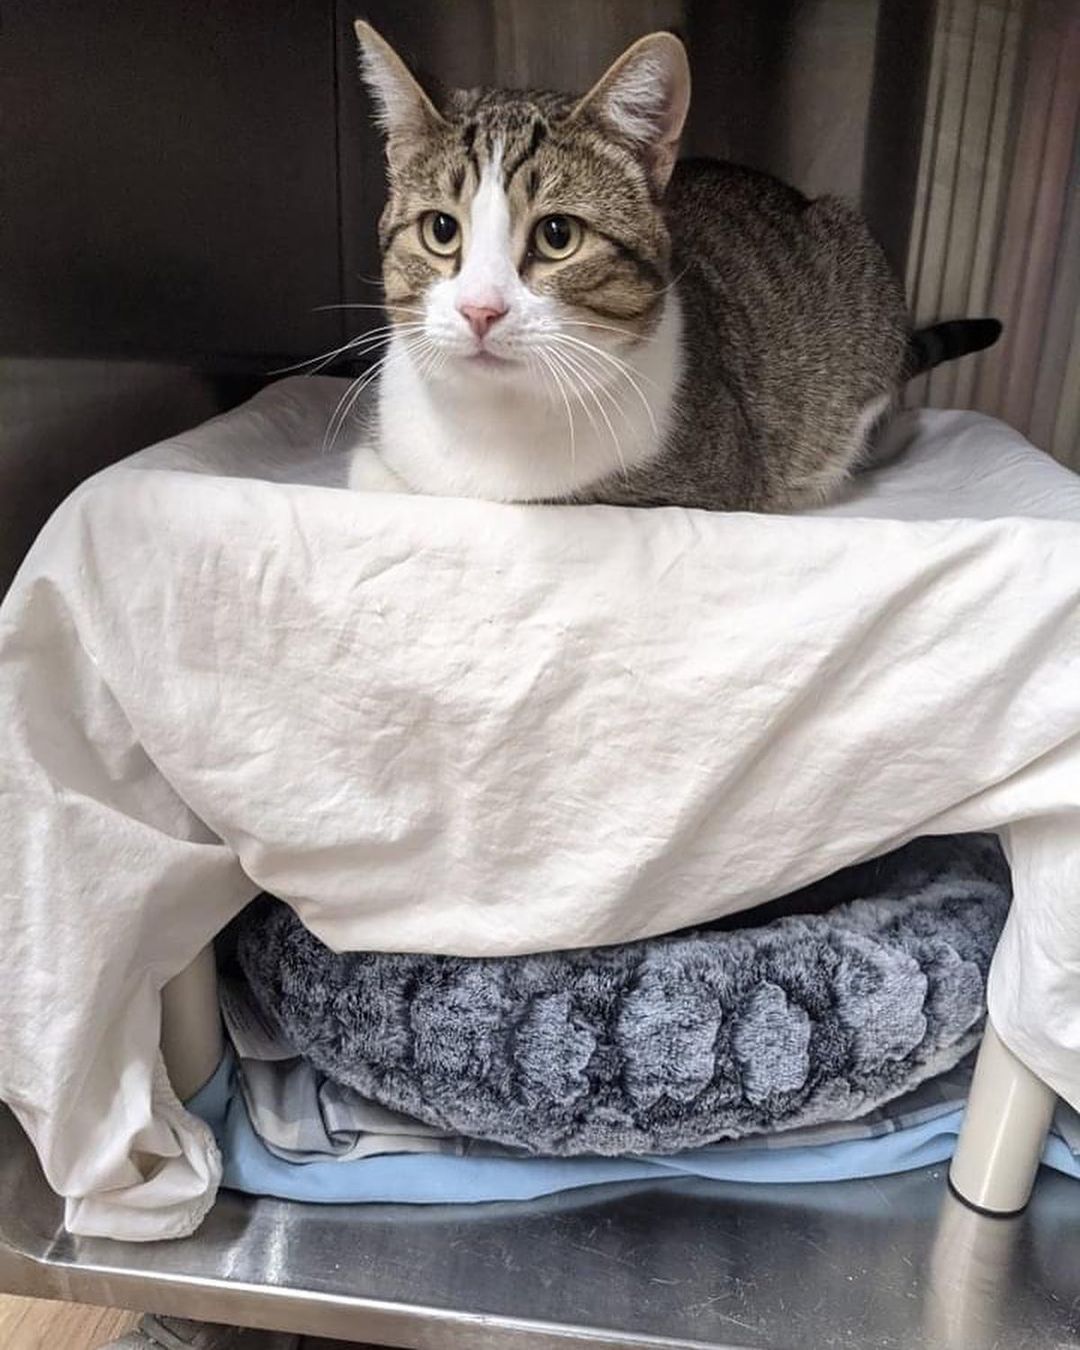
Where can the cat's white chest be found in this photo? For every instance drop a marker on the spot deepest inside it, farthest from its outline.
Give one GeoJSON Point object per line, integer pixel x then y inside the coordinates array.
{"type": "Point", "coordinates": [483, 435]}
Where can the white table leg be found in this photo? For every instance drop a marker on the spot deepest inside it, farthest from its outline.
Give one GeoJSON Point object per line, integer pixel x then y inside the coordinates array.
{"type": "Point", "coordinates": [191, 1035]}
{"type": "Point", "coordinates": [1004, 1131]}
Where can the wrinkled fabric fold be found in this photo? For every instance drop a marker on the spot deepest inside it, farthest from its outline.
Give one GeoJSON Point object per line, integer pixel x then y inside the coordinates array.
{"type": "Point", "coordinates": [456, 726]}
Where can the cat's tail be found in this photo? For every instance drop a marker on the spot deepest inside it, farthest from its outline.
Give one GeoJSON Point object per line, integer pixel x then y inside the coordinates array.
{"type": "Point", "coordinates": [929, 347]}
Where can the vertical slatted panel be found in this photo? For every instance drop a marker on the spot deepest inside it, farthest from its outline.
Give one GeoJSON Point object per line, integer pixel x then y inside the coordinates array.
{"type": "Point", "coordinates": [903, 51]}
{"type": "Point", "coordinates": [996, 217]}
{"type": "Point", "coordinates": [1029, 237]}
{"type": "Point", "coordinates": [994, 168]}
{"type": "Point", "coordinates": [1065, 441]}
{"type": "Point", "coordinates": [945, 239]}
{"type": "Point", "coordinates": [1057, 388]}
{"type": "Point", "coordinates": [954, 291]}
{"type": "Point", "coordinates": [916, 393]}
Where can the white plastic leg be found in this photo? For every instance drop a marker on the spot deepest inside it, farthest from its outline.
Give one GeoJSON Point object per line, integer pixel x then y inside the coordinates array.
{"type": "Point", "coordinates": [1004, 1132]}
{"type": "Point", "coordinates": [191, 1035]}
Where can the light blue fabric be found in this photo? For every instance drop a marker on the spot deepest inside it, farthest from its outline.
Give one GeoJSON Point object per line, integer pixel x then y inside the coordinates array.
{"type": "Point", "coordinates": [427, 1179]}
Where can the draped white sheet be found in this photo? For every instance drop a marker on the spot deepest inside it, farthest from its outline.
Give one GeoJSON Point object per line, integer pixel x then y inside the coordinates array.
{"type": "Point", "coordinates": [456, 726]}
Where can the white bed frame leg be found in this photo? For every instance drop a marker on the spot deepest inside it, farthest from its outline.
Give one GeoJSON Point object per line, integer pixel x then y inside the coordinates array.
{"type": "Point", "coordinates": [191, 1037]}
{"type": "Point", "coordinates": [1008, 1116]}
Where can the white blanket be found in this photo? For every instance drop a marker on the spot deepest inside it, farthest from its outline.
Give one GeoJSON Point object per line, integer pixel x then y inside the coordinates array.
{"type": "Point", "coordinates": [456, 726]}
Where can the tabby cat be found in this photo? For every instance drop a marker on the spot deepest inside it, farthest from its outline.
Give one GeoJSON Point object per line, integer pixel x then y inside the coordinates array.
{"type": "Point", "coordinates": [574, 316]}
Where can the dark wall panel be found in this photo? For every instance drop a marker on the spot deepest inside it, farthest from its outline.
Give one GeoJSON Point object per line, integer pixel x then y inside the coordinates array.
{"type": "Point", "coordinates": [170, 178]}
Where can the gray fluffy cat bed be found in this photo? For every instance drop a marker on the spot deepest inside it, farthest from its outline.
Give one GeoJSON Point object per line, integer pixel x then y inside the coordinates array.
{"type": "Point", "coordinates": [858, 989]}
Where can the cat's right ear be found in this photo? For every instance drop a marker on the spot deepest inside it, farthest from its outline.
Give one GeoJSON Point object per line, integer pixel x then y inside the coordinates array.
{"type": "Point", "coordinates": [644, 98]}
{"type": "Point", "coordinates": [402, 109]}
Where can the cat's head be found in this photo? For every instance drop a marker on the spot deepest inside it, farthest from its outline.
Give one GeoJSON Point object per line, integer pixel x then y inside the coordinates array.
{"type": "Point", "coordinates": [524, 229]}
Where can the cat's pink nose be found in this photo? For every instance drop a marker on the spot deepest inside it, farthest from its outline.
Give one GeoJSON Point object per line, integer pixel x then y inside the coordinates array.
{"type": "Point", "coordinates": [481, 317]}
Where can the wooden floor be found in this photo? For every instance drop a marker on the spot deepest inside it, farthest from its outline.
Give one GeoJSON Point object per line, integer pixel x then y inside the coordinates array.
{"type": "Point", "coordinates": [35, 1324]}
{"type": "Point", "coordinates": [32, 1324]}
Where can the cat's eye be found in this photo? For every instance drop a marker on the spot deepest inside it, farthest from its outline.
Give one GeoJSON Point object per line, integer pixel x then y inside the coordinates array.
{"type": "Point", "coordinates": [440, 233]}
{"type": "Point", "coordinates": [557, 237]}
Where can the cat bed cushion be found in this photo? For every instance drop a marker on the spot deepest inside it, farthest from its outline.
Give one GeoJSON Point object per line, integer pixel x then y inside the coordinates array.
{"type": "Point", "coordinates": [666, 1044]}
{"type": "Point", "coordinates": [454, 726]}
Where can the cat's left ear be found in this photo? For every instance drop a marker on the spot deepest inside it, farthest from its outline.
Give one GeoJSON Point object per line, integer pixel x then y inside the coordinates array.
{"type": "Point", "coordinates": [644, 97]}
{"type": "Point", "coordinates": [403, 109]}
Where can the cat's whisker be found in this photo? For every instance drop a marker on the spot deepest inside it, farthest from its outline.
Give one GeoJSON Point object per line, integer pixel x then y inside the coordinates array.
{"type": "Point", "coordinates": [330, 434]}
{"type": "Point", "coordinates": [663, 290]}
{"type": "Point", "coordinates": [354, 350]}
{"type": "Point", "coordinates": [387, 331]}
{"type": "Point", "coordinates": [423, 352]}
{"type": "Point", "coordinates": [608, 328]}
{"type": "Point", "coordinates": [594, 389]}
{"type": "Point", "coordinates": [587, 385]}
{"type": "Point", "coordinates": [349, 399]}
{"type": "Point", "coordinates": [598, 387]}
{"type": "Point", "coordinates": [368, 281]}
{"type": "Point", "coordinates": [355, 304]}
{"type": "Point", "coordinates": [429, 358]}
{"type": "Point", "coordinates": [617, 361]}
{"type": "Point", "coordinates": [326, 357]}
{"type": "Point", "coordinates": [544, 357]}
{"type": "Point", "coordinates": [623, 369]}
{"type": "Point", "coordinates": [597, 376]}
{"type": "Point", "coordinates": [573, 382]}
{"type": "Point", "coordinates": [342, 410]}
{"type": "Point", "coordinates": [438, 360]}
{"type": "Point", "coordinates": [374, 337]}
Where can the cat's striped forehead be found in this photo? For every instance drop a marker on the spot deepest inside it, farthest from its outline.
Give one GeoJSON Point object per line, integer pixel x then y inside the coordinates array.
{"type": "Point", "coordinates": [480, 128]}
{"type": "Point", "coordinates": [519, 122]}
{"type": "Point", "coordinates": [574, 165]}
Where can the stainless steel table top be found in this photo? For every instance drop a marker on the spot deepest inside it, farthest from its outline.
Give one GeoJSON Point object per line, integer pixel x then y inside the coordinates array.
{"type": "Point", "coordinates": [893, 1264]}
